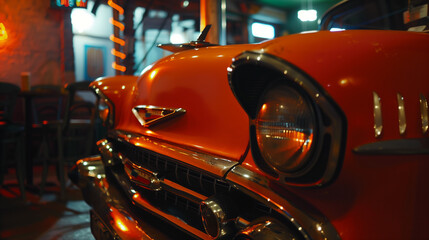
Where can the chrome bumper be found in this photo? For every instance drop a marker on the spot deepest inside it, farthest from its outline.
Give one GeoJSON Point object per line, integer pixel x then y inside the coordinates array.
{"type": "Point", "coordinates": [112, 215]}
{"type": "Point", "coordinates": [116, 201]}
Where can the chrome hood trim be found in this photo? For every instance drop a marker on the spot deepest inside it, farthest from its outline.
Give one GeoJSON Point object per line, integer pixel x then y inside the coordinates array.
{"type": "Point", "coordinates": [412, 146]}
{"type": "Point", "coordinates": [216, 165]}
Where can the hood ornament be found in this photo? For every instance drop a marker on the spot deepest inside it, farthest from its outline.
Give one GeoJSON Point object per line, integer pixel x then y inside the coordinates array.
{"type": "Point", "coordinates": [192, 45]}
{"type": "Point", "coordinates": [150, 115]}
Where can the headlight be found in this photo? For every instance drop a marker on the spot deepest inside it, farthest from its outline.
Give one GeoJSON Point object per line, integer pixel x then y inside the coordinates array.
{"type": "Point", "coordinates": [285, 128]}
{"type": "Point", "coordinates": [297, 131]}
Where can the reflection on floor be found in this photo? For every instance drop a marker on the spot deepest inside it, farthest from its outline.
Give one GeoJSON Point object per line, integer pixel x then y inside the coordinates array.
{"type": "Point", "coordinates": [42, 217]}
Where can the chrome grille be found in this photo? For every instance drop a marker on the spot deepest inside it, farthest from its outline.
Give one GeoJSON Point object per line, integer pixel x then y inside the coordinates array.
{"type": "Point", "coordinates": [173, 170]}
{"type": "Point", "coordinates": [189, 177]}
{"type": "Point", "coordinates": [178, 201]}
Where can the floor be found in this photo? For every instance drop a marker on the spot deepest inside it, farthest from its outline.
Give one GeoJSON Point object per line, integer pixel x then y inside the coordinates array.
{"type": "Point", "coordinates": [42, 217]}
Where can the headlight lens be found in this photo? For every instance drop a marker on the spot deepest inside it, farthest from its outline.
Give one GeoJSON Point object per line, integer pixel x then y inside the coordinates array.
{"type": "Point", "coordinates": [285, 129]}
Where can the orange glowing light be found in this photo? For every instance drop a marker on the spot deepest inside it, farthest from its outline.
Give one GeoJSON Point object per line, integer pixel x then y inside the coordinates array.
{"type": "Point", "coordinates": [65, 3]}
{"type": "Point", "coordinates": [3, 33]}
{"type": "Point", "coordinates": [149, 132]}
{"type": "Point", "coordinates": [153, 74]}
{"type": "Point", "coordinates": [117, 40]}
{"type": "Point", "coordinates": [118, 54]}
{"type": "Point", "coordinates": [117, 24]}
{"type": "Point", "coordinates": [203, 16]}
{"type": "Point", "coordinates": [116, 7]}
{"type": "Point", "coordinates": [118, 67]}
{"type": "Point", "coordinates": [121, 225]}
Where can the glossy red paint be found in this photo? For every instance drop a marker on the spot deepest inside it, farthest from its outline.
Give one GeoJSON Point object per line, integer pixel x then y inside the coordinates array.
{"type": "Point", "coordinates": [374, 197]}
{"type": "Point", "coordinates": [214, 121]}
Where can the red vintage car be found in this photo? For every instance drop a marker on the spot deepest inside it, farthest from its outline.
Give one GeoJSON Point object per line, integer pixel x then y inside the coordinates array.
{"type": "Point", "coordinates": [308, 136]}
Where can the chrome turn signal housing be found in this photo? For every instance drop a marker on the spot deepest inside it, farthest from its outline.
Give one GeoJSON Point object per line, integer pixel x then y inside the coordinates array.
{"type": "Point", "coordinates": [213, 217]}
{"type": "Point", "coordinates": [218, 214]}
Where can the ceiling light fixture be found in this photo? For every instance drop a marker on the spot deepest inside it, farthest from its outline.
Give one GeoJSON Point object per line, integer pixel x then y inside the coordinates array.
{"type": "Point", "coordinates": [307, 15]}
{"type": "Point", "coordinates": [262, 30]}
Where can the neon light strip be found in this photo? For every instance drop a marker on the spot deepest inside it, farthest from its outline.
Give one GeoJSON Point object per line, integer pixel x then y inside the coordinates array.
{"type": "Point", "coordinates": [117, 24]}
{"type": "Point", "coordinates": [118, 67]}
{"type": "Point", "coordinates": [203, 17]}
{"type": "Point", "coordinates": [118, 54]}
{"type": "Point", "coordinates": [117, 40]}
{"type": "Point", "coordinates": [116, 7]}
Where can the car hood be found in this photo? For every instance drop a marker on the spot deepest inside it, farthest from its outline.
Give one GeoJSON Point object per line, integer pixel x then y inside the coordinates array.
{"type": "Point", "coordinates": [193, 80]}
{"type": "Point", "coordinates": [343, 63]}
{"type": "Point", "coordinates": [352, 65]}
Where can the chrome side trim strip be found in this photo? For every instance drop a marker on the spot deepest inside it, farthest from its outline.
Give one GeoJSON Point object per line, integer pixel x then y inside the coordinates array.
{"type": "Point", "coordinates": [378, 120]}
{"type": "Point", "coordinates": [311, 224]}
{"type": "Point", "coordinates": [424, 113]}
{"type": "Point", "coordinates": [401, 114]}
{"type": "Point", "coordinates": [397, 147]}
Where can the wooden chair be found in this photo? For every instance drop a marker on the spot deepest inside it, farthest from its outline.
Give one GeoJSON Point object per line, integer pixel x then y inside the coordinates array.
{"type": "Point", "coordinates": [76, 133]}
{"type": "Point", "coordinates": [11, 134]}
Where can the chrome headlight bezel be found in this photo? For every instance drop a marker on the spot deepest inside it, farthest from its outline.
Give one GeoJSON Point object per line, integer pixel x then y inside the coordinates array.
{"type": "Point", "coordinates": [253, 73]}
{"type": "Point", "coordinates": [106, 109]}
